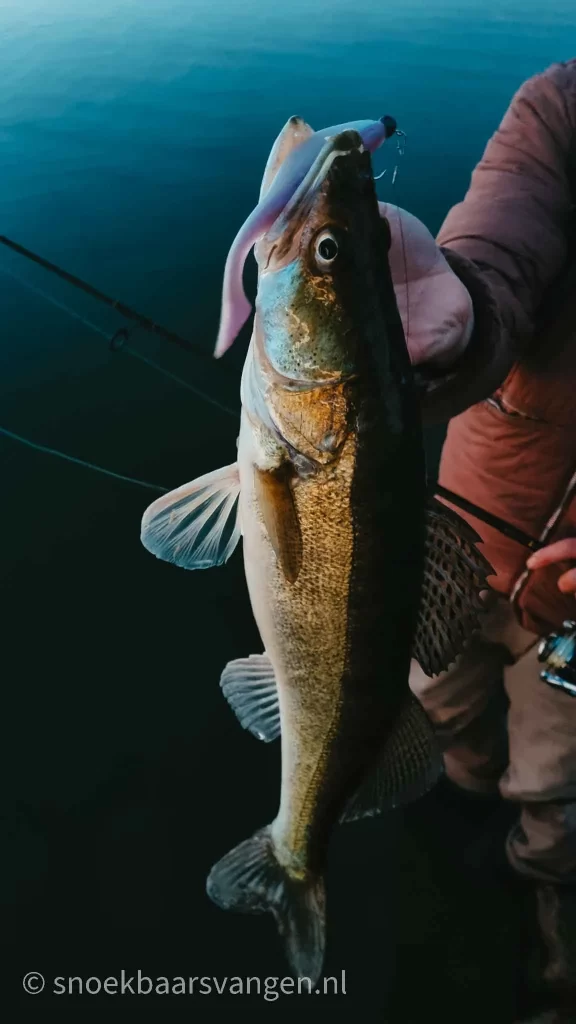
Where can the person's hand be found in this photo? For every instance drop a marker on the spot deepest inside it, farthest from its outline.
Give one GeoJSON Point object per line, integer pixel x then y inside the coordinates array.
{"type": "Point", "coordinates": [561, 551]}
{"type": "Point", "coordinates": [434, 305]}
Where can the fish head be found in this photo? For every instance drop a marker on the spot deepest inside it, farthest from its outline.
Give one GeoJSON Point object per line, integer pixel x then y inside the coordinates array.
{"type": "Point", "coordinates": [294, 151]}
{"type": "Point", "coordinates": [324, 294]}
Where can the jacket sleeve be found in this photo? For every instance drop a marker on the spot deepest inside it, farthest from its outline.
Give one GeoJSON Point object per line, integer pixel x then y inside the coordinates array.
{"type": "Point", "coordinates": [508, 239]}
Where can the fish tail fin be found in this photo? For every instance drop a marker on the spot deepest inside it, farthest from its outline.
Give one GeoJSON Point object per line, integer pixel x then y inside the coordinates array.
{"type": "Point", "coordinates": [250, 880]}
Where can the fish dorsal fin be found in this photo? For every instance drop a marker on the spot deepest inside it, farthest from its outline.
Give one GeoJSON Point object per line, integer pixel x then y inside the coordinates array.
{"type": "Point", "coordinates": [409, 765]}
{"type": "Point", "coordinates": [249, 685]}
{"type": "Point", "coordinates": [195, 526]}
{"type": "Point", "coordinates": [293, 134]}
{"type": "Point", "coordinates": [276, 502]}
{"type": "Point", "coordinates": [454, 578]}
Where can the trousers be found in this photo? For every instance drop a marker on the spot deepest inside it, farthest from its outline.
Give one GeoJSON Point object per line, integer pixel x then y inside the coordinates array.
{"type": "Point", "coordinates": [501, 728]}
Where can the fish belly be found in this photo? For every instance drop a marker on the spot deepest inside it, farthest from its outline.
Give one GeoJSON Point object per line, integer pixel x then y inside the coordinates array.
{"type": "Point", "coordinates": [304, 630]}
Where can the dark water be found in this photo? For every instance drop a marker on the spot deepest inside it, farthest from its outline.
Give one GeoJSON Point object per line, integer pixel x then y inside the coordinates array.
{"type": "Point", "coordinates": [132, 142]}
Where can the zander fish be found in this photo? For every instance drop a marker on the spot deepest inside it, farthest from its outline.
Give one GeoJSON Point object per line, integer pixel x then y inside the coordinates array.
{"type": "Point", "coordinates": [351, 571]}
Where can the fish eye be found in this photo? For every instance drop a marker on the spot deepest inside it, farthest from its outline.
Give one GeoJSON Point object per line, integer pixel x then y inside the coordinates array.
{"type": "Point", "coordinates": [326, 248]}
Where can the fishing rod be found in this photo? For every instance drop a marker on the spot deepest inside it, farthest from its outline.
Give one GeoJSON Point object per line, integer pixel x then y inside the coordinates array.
{"type": "Point", "coordinates": [126, 311]}
{"type": "Point", "coordinates": [116, 343]}
{"type": "Point", "coordinates": [508, 529]}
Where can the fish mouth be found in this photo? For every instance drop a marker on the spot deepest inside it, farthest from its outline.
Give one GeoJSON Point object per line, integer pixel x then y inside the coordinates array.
{"type": "Point", "coordinates": [335, 146]}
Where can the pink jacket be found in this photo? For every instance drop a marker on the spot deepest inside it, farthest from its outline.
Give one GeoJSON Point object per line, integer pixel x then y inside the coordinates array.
{"type": "Point", "coordinates": [511, 448]}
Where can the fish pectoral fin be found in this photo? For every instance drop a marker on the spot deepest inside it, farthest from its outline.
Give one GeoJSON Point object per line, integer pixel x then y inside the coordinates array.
{"type": "Point", "coordinates": [454, 577]}
{"type": "Point", "coordinates": [276, 501]}
{"type": "Point", "coordinates": [409, 766]}
{"type": "Point", "coordinates": [195, 526]}
{"type": "Point", "coordinates": [249, 685]}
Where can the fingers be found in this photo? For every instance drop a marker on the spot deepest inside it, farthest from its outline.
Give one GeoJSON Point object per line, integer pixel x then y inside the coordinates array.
{"type": "Point", "coordinates": [561, 551]}
{"type": "Point", "coordinates": [567, 582]}
{"type": "Point", "coordinates": [558, 552]}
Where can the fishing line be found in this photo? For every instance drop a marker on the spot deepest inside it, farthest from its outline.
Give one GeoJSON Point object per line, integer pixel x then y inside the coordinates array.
{"type": "Point", "coordinates": [178, 380]}
{"type": "Point", "coordinates": [117, 348]}
{"type": "Point", "coordinates": [80, 462]}
{"type": "Point", "coordinates": [400, 146]}
{"type": "Point", "coordinates": [137, 355]}
{"type": "Point", "coordinates": [55, 302]}
{"type": "Point", "coordinates": [120, 307]}
{"type": "Point", "coordinates": [52, 451]}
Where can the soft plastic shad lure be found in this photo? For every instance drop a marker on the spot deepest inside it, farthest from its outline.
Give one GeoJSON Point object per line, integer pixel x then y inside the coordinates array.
{"type": "Point", "coordinates": [276, 192]}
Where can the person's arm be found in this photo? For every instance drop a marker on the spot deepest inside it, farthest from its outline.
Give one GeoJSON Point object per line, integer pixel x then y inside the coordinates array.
{"type": "Point", "coordinates": [507, 240]}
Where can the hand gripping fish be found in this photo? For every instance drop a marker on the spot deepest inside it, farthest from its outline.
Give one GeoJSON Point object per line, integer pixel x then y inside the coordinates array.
{"type": "Point", "coordinates": [351, 572]}
{"type": "Point", "coordinates": [295, 149]}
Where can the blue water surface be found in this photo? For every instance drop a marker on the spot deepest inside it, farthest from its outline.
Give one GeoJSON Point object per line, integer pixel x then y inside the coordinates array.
{"type": "Point", "coordinates": [133, 138]}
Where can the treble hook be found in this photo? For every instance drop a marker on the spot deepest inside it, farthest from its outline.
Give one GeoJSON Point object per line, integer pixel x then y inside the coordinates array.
{"type": "Point", "coordinates": [400, 148]}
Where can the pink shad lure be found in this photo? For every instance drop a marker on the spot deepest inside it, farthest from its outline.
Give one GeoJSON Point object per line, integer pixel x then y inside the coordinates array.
{"type": "Point", "coordinates": [292, 173]}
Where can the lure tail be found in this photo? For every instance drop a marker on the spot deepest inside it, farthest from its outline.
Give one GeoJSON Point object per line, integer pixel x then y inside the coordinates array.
{"type": "Point", "coordinates": [236, 309]}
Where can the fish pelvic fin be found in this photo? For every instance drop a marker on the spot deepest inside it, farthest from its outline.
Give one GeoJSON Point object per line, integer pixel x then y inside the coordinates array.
{"type": "Point", "coordinates": [249, 685]}
{"type": "Point", "coordinates": [195, 526]}
{"type": "Point", "coordinates": [250, 880]}
{"type": "Point", "coordinates": [451, 606]}
{"type": "Point", "coordinates": [409, 766]}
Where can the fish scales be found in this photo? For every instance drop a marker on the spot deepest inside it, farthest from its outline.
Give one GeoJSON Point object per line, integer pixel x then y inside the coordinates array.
{"type": "Point", "coordinates": [307, 616]}
{"type": "Point", "coordinates": [349, 572]}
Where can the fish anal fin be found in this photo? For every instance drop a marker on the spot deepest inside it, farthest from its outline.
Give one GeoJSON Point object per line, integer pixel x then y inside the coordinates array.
{"type": "Point", "coordinates": [276, 502]}
{"type": "Point", "coordinates": [454, 579]}
{"type": "Point", "coordinates": [249, 685]}
{"type": "Point", "coordinates": [409, 766]}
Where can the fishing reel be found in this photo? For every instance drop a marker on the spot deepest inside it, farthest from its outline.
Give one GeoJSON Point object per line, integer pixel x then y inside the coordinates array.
{"type": "Point", "coordinates": [558, 654]}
